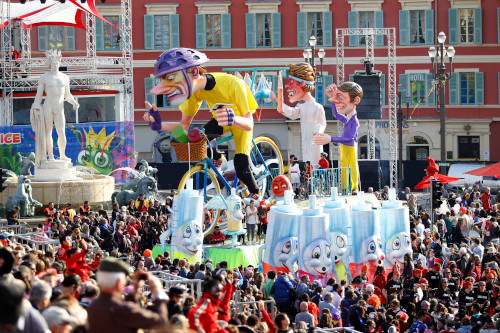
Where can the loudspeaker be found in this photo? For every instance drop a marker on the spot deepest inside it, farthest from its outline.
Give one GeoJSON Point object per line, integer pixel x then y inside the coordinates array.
{"type": "Point", "coordinates": [370, 106]}
{"type": "Point", "coordinates": [169, 175]}
{"type": "Point", "coordinates": [369, 173]}
{"type": "Point", "coordinates": [63, 69]}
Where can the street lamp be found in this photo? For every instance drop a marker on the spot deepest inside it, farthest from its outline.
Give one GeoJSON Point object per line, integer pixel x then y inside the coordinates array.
{"type": "Point", "coordinates": [399, 89]}
{"type": "Point", "coordinates": [309, 54]}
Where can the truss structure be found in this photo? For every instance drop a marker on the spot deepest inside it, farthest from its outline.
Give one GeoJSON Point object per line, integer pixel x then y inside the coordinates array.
{"type": "Point", "coordinates": [90, 71]}
{"type": "Point", "coordinates": [391, 49]}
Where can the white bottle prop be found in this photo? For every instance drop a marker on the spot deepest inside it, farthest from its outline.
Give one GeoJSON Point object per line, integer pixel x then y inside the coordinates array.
{"type": "Point", "coordinates": [281, 239]}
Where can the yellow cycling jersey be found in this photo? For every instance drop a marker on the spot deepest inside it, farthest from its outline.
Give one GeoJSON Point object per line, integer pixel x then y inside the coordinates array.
{"type": "Point", "coordinates": [229, 90]}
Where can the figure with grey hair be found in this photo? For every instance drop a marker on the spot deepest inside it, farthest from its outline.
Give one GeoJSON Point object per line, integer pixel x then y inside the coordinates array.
{"type": "Point", "coordinates": [55, 85]}
{"type": "Point", "coordinates": [304, 315]}
{"type": "Point", "coordinates": [40, 294]}
{"type": "Point", "coordinates": [326, 304]}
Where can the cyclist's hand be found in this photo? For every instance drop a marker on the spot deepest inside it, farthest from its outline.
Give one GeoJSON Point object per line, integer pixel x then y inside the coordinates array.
{"type": "Point", "coordinates": [153, 116]}
{"type": "Point", "coordinates": [147, 116]}
{"type": "Point", "coordinates": [225, 117]}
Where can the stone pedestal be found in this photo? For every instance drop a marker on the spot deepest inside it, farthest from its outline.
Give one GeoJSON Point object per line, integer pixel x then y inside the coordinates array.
{"type": "Point", "coordinates": [52, 171]}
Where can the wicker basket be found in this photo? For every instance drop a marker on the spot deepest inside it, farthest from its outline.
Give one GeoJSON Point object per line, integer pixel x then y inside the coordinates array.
{"type": "Point", "coordinates": [197, 151]}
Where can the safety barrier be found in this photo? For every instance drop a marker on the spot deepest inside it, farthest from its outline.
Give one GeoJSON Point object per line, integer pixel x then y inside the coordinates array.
{"type": "Point", "coordinates": [15, 228]}
{"type": "Point", "coordinates": [322, 180]}
{"type": "Point", "coordinates": [168, 280]}
{"type": "Point", "coordinates": [337, 329]}
{"type": "Point", "coordinates": [238, 305]}
{"type": "Point", "coordinates": [37, 240]}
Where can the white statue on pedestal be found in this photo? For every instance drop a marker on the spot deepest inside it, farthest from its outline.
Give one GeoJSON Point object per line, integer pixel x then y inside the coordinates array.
{"type": "Point", "coordinates": [56, 87]}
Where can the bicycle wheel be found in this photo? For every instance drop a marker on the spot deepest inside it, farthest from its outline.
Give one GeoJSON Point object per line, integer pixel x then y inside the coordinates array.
{"type": "Point", "coordinates": [212, 186]}
{"type": "Point", "coordinates": [271, 156]}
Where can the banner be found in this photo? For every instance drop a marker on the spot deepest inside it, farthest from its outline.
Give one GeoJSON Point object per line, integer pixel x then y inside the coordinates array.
{"type": "Point", "coordinates": [104, 148]}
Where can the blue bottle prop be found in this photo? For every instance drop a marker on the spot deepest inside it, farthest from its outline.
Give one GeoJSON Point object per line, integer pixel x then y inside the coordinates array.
{"type": "Point", "coordinates": [395, 231]}
{"type": "Point", "coordinates": [281, 239]}
{"type": "Point", "coordinates": [339, 230]}
{"type": "Point", "coordinates": [187, 226]}
{"type": "Point", "coordinates": [315, 257]}
{"type": "Point", "coordinates": [365, 235]}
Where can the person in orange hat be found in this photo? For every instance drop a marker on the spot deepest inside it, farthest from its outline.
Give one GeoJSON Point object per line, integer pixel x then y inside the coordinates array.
{"type": "Point", "coordinates": [363, 275]}
{"type": "Point", "coordinates": [395, 283]}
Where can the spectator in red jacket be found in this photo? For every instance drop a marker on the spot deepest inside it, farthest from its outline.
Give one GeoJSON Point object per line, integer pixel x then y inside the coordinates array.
{"type": "Point", "coordinates": [76, 262]}
{"type": "Point", "coordinates": [323, 162]}
{"type": "Point", "coordinates": [486, 199]}
{"type": "Point", "coordinates": [65, 246]}
{"type": "Point", "coordinates": [204, 316]}
{"type": "Point", "coordinates": [216, 236]}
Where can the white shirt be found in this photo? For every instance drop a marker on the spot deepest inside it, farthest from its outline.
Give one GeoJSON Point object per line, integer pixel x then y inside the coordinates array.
{"type": "Point", "coordinates": [336, 300]}
{"type": "Point", "coordinates": [251, 219]}
{"type": "Point", "coordinates": [294, 171]}
{"type": "Point", "coordinates": [420, 230]}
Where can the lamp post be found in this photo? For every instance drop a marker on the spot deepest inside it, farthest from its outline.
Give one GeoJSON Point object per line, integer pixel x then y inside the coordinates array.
{"type": "Point", "coordinates": [441, 77]}
{"type": "Point", "coordinates": [309, 54]}
{"type": "Point", "coordinates": [399, 89]}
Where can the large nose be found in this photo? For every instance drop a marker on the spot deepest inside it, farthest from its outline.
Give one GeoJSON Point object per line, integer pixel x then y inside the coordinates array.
{"type": "Point", "coordinates": [324, 269]}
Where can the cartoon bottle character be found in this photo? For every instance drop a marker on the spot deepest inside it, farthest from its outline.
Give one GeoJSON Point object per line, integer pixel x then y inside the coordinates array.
{"type": "Point", "coordinates": [365, 235]}
{"type": "Point", "coordinates": [281, 239]}
{"type": "Point", "coordinates": [187, 226]}
{"type": "Point", "coordinates": [339, 229]}
{"type": "Point", "coordinates": [394, 231]}
{"type": "Point", "coordinates": [233, 206]}
{"type": "Point", "coordinates": [315, 255]}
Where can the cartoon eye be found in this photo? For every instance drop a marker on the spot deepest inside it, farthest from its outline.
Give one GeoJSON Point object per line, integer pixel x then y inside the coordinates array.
{"type": "Point", "coordinates": [83, 157]}
{"type": "Point", "coordinates": [328, 252]}
{"type": "Point", "coordinates": [340, 242]}
{"type": "Point", "coordinates": [170, 78]}
{"type": "Point", "coordinates": [187, 232]}
{"type": "Point", "coordinates": [316, 252]}
{"type": "Point", "coordinates": [198, 230]}
{"type": "Point", "coordinates": [407, 241]}
{"type": "Point", "coordinates": [380, 244]}
{"type": "Point", "coordinates": [396, 244]}
{"type": "Point", "coordinates": [101, 160]}
{"type": "Point", "coordinates": [287, 247]}
{"type": "Point", "coordinates": [372, 247]}
{"type": "Point", "coordinates": [237, 207]}
{"type": "Point", "coordinates": [283, 186]}
{"type": "Point", "coordinates": [276, 187]}
{"type": "Point", "coordinates": [341, 98]}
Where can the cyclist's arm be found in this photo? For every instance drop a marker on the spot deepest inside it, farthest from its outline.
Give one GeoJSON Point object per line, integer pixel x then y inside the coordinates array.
{"type": "Point", "coordinates": [169, 126]}
{"type": "Point", "coordinates": [244, 122]}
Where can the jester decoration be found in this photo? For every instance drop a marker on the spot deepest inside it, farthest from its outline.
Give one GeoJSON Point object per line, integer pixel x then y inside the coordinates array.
{"type": "Point", "coordinates": [344, 100]}
{"type": "Point", "coordinates": [187, 226]}
{"type": "Point", "coordinates": [433, 171]}
{"type": "Point", "coordinates": [301, 83]}
{"type": "Point", "coordinates": [185, 83]}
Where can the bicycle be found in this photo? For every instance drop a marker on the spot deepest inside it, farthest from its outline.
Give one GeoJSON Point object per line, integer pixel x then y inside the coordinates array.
{"type": "Point", "coordinates": [207, 178]}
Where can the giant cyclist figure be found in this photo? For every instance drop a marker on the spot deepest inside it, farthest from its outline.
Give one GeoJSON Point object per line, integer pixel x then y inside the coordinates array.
{"type": "Point", "coordinates": [187, 84]}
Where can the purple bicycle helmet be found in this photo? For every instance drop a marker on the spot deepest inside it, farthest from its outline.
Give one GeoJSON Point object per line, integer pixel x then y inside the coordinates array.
{"type": "Point", "coordinates": [177, 59]}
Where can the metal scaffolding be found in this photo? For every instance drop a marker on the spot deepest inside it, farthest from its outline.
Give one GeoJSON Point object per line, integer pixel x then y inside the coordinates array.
{"type": "Point", "coordinates": [89, 71]}
{"type": "Point", "coordinates": [391, 48]}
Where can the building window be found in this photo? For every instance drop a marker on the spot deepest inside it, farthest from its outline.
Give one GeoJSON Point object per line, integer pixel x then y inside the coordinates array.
{"type": "Point", "coordinates": [468, 147]}
{"type": "Point", "coordinates": [363, 148]}
{"type": "Point", "coordinates": [263, 30]}
{"type": "Point", "coordinates": [467, 88]}
{"type": "Point", "coordinates": [466, 25]}
{"type": "Point", "coordinates": [417, 149]}
{"type": "Point", "coordinates": [56, 37]}
{"type": "Point", "coordinates": [366, 20]}
{"type": "Point", "coordinates": [111, 33]}
{"type": "Point", "coordinates": [213, 22]}
{"type": "Point", "coordinates": [315, 27]}
{"type": "Point", "coordinates": [417, 27]}
{"type": "Point", "coordinates": [161, 100]}
{"type": "Point", "coordinates": [417, 83]}
{"type": "Point", "coordinates": [162, 32]}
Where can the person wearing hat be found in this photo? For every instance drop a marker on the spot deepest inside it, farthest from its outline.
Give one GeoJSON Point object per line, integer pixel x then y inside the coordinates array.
{"type": "Point", "coordinates": [452, 283]}
{"type": "Point", "coordinates": [395, 282]}
{"type": "Point", "coordinates": [415, 281]}
{"type": "Point", "coordinates": [58, 319]}
{"type": "Point", "coordinates": [110, 312]}
{"type": "Point", "coordinates": [482, 295]}
{"type": "Point", "coordinates": [443, 293]}
{"type": "Point", "coordinates": [175, 293]}
{"type": "Point", "coordinates": [434, 276]}
{"type": "Point", "coordinates": [466, 296]}
{"type": "Point", "coordinates": [363, 275]}
{"type": "Point", "coordinates": [489, 257]}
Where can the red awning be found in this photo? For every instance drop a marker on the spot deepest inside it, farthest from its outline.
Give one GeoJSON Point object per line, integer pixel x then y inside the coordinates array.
{"type": "Point", "coordinates": [492, 170]}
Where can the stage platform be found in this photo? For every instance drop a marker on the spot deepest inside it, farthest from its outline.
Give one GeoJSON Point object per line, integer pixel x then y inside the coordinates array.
{"type": "Point", "coordinates": [235, 256]}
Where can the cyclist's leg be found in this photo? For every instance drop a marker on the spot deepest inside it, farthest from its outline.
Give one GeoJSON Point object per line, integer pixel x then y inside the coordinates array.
{"type": "Point", "coordinates": [213, 127]}
{"type": "Point", "coordinates": [242, 167]}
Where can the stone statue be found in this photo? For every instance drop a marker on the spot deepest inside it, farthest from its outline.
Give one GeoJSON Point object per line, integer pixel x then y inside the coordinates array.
{"type": "Point", "coordinates": [23, 198]}
{"type": "Point", "coordinates": [56, 87]}
{"type": "Point", "coordinates": [144, 171]}
{"type": "Point", "coordinates": [26, 164]}
{"type": "Point", "coordinates": [146, 185]}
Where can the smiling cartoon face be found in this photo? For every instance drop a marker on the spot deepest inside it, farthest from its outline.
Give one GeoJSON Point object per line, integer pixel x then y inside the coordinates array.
{"type": "Point", "coordinates": [339, 246]}
{"type": "Point", "coordinates": [280, 184]}
{"type": "Point", "coordinates": [294, 90]}
{"type": "Point", "coordinates": [396, 248]}
{"type": "Point", "coordinates": [191, 237]}
{"type": "Point", "coordinates": [284, 250]}
{"type": "Point", "coordinates": [371, 250]}
{"type": "Point", "coordinates": [174, 87]}
{"type": "Point", "coordinates": [317, 258]}
{"type": "Point", "coordinates": [342, 98]}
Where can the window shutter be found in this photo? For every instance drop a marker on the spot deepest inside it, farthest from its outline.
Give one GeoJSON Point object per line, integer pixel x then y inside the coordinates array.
{"type": "Point", "coordinates": [498, 23]}
{"type": "Point", "coordinates": [148, 32]}
{"type": "Point", "coordinates": [276, 19]}
{"type": "Point", "coordinates": [351, 77]}
{"type": "Point", "coordinates": [327, 29]}
{"type": "Point", "coordinates": [42, 38]}
{"type": "Point", "coordinates": [429, 26]}
{"type": "Point", "coordinates": [403, 79]}
{"type": "Point", "coordinates": [174, 31]}
{"type": "Point", "coordinates": [200, 31]}
{"type": "Point", "coordinates": [403, 27]}
{"type": "Point", "coordinates": [498, 87]}
{"type": "Point", "coordinates": [382, 83]}
{"type": "Point", "coordinates": [453, 89]}
{"type": "Point", "coordinates": [148, 85]}
{"type": "Point", "coordinates": [250, 28]}
{"type": "Point", "coordinates": [226, 31]}
{"type": "Point", "coordinates": [453, 25]}
{"type": "Point", "coordinates": [479, 84]}
{"type": "Point", "coordinates": [478, 26]}
{"type": "Point", "coordinates": [70, 38]}
{"type": "Point", "coordinates": [120, 24]}
{"type": "Point", "coordinates": [428, 86]}
{"type": "Point", "coordinates": [327, 80]}
{"type": "Point", "coordinates": [99, 35]}
{"type": "Point", "coordinates": [352, 18]}
{"type": "Point", "coordinates": [302, 29]}
{"type": "Point", "coordinates": [275, 87]}
{"type": "Point", "coordinates": [379, 23]}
